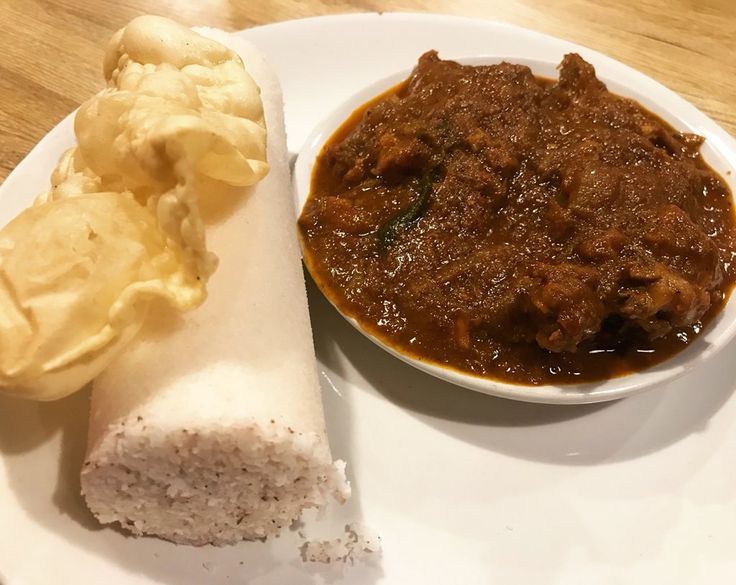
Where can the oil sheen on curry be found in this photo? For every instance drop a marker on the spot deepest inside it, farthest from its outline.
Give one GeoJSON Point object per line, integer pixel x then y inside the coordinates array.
{"type": "Point", "coordinates": [517, 228]}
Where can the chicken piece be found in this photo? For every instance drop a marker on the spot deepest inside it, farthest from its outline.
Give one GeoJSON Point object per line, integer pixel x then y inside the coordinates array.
{"type": "Point", "coordinates": [565, 305]}
{"type": "Point", "coordinates": [662, 300]}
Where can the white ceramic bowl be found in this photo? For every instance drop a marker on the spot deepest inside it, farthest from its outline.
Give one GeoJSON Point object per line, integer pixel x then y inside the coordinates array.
{"type": "Point", "coordinates": [719, 151]}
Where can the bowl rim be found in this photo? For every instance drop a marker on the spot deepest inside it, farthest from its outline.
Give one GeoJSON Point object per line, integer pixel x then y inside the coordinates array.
{"type": "Point", "coordinates": [720, 154]}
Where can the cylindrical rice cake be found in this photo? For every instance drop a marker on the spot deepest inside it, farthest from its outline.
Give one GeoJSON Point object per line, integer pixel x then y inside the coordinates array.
{"type": "Point", "coordinates": [209, 428]}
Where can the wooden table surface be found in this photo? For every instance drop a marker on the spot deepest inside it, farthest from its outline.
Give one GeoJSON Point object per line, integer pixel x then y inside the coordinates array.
{"type": "Point", "coordinates": [51, 50]}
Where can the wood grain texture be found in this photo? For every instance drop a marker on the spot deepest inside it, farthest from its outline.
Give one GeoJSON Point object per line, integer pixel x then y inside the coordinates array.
{"type": "Point", "coordinates": [51, 50]}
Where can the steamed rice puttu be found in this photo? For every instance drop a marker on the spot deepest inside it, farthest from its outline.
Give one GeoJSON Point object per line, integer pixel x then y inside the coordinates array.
{"type": "Point", "coordinates": [209, 428]}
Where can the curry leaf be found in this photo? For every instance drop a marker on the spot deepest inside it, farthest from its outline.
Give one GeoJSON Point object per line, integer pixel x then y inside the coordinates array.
{"type": "Point", "coordinates": [422, 188]}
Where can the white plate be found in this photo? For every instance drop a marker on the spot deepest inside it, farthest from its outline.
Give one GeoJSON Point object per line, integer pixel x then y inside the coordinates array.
{"type": "Point", "coordinates": [464, 488]}
{"type": "Point", "coordinates": [680, 114]}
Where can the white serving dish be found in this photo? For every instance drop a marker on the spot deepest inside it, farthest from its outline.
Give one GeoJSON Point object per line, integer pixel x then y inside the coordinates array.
{"type": "Point", "coordinates": [462, 487]}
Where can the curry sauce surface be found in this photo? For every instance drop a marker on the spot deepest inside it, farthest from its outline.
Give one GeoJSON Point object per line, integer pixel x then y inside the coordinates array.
{"type": "Point", "coordinates": [518, 228]}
